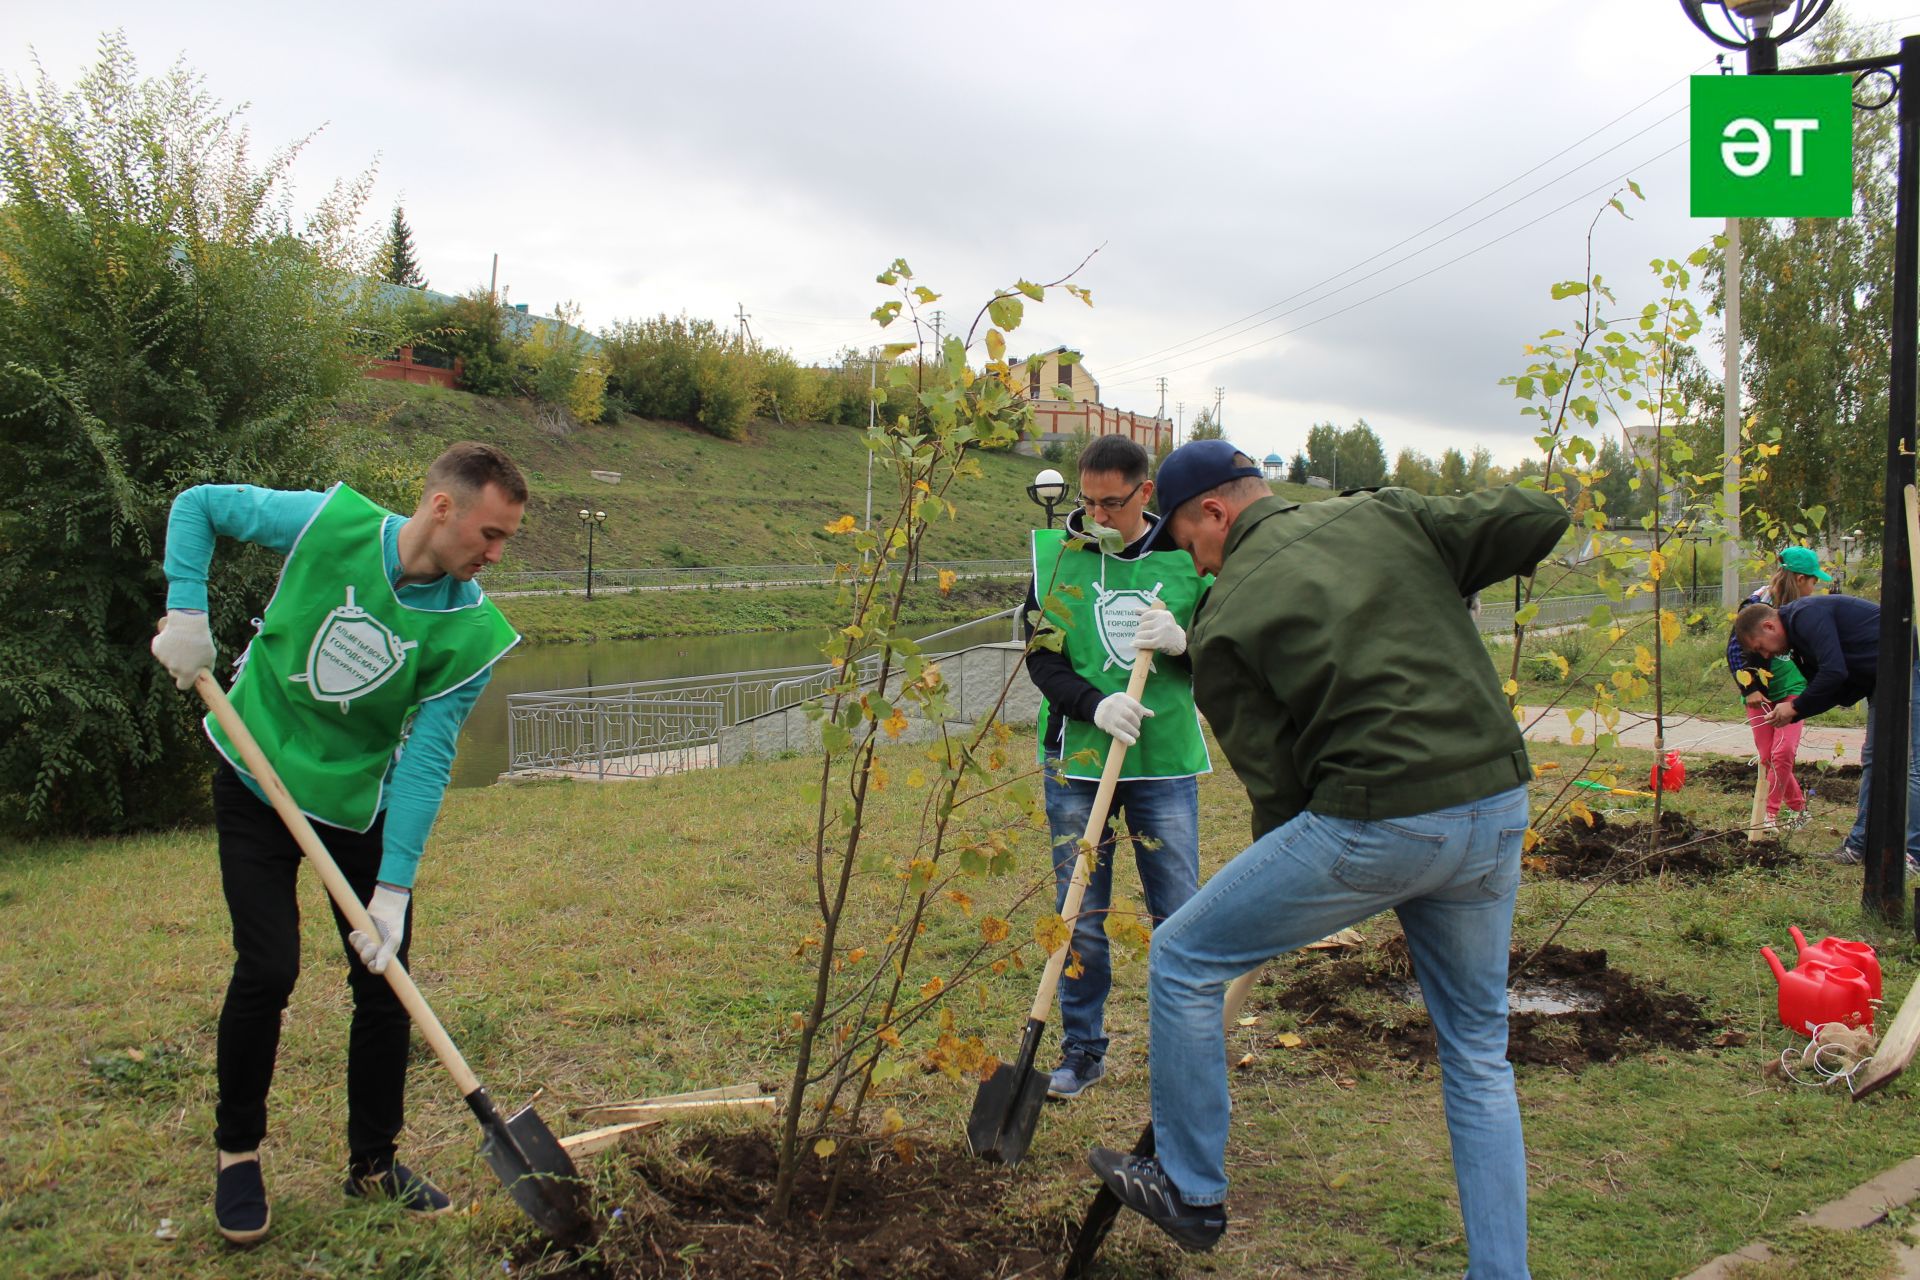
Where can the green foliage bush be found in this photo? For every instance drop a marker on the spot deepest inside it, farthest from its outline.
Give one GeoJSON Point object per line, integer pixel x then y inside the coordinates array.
{"type": "Point", "coordinates": [161, 325]}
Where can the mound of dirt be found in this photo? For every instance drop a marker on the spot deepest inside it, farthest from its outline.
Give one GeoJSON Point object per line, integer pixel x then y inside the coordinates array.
{"type": "Point", "coordinates": [1600, 1014]}
{"type": "Point", "coordinates": [701, 1212]}
{"type": "Point", "coordinates": [1838, 785]}
{"type": "Point", "coordinates": [1576, 851]}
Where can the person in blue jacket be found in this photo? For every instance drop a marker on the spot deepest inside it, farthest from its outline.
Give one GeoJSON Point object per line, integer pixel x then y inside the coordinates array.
{"type": "Point", "coordinates": [1835, 641]}
{"type": "Point", "coordinates": [366, 661]}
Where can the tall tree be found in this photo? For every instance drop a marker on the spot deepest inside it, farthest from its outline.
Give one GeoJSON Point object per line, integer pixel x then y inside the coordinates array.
{"type": "Point", "coordinates": [160, 326]}
{"type": "Point", "coordinates": [1414, 470]}
{"type": "Point", "coordinates": [1363, 460]}
{"type": "Point", "coordinates": [1203, 427]}
{"type": "Point", "coordinates": [398, 263]}
{"type": "Point", "coordinates": [1298, 470]}
{"type": "Point", "coordinates": [1323, 450]}
{"type": "Point", "coordinates": [1453, 472]}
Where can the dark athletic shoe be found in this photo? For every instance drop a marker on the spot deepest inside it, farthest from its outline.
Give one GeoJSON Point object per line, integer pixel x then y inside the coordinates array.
{"type": "Point", "coordinates": [1847, 856]}
{"type": "Point", "coordinates": [1143, 1187]}
{"type": "Point", "coordinates": [1076, 1074]}
{"type": "Point", "coordinates": [402, 1185]}
{"type": "Point", "coordinates": [240, 1211]}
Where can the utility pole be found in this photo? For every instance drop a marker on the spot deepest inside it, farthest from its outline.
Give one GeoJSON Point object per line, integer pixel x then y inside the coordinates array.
{"type": "Point", "coordinates": [1162, 381]}
{"type": "Point", "coordinates": [493, 285]}
{"type": "Point", "coordinates": [1219, 400]}
{"type": "Point", "coordinates": [1179, 416]}
{"type": "Point", "coordinates": [740, 314]}
{"type": "Point", "coordinates": [939, 317]}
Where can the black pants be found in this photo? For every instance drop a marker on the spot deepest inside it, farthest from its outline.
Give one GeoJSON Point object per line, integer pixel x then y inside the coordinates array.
{"type": "Point", "coordinates": [259, 866]}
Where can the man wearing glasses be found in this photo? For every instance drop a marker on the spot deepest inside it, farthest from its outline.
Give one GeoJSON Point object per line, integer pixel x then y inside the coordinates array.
{"type": "Point", "coordinates": [1090, 598]}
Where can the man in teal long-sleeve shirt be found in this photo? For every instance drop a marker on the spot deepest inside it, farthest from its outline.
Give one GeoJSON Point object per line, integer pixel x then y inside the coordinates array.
{"type": "Point", "coordinates": [369, 656]}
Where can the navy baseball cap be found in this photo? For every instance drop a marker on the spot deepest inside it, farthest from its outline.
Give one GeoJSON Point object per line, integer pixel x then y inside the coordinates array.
{"type": "Point", "coordinates": [1194, 468]}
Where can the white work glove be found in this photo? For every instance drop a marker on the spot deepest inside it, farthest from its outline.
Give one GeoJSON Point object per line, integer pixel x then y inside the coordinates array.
{"type": "Point", "coordinates": [1159, 631]}
{"type": "Point", "coordinates": [185, 646]}
{"type": "Point", "coordinates": [1119, 717]}
{"type": "Point", "coordinates": [389, 911]}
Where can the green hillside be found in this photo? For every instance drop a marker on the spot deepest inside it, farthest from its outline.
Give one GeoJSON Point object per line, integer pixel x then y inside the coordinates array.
{"type": "Point", "coordinates": [687, 498]}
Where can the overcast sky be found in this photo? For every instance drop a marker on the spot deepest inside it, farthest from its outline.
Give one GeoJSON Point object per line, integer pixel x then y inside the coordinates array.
{"type": "Point", "coordinates": [1235, 157]}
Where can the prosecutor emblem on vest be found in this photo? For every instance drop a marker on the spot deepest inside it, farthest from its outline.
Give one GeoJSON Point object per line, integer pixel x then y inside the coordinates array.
{"type": "Point", "coordinates": [353, 653]}
{"type": "Point", "coordinates": [1116, 616]}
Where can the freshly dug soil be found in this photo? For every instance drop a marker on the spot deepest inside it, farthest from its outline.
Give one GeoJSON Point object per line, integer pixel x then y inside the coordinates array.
{"type": "Point", "coordinates": [1839, 785]}
{"type": "Point", "coordinates": [1619, 1016]}
{"type": "Point", "coordinates": [701, 1212]}
{"type": "Point", "coordinates": [1576, 851]}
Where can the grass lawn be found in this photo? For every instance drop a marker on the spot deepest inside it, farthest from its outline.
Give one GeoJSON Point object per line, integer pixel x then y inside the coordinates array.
{"type": "Point", "coordinates": [603, 942]}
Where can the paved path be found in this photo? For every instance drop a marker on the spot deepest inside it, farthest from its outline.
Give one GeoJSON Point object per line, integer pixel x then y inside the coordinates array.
{"type": "Point", "coordinates": [1867, 1205]}
{"type": "Point", "coordinates": [1693, 734]}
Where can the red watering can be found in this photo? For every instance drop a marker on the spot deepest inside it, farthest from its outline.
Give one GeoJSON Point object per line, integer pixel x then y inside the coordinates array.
{"type": "Point", "coordinates": [1813, 995]}
{"type": "Point", "coordinates": [1668, 774]}
{"type": "Point", "coordinates": [1834, 953]}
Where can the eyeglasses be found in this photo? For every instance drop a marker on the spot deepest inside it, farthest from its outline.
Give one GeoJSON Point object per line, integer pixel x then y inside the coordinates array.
{"type": "Point", "coordinates": [1111, 504]}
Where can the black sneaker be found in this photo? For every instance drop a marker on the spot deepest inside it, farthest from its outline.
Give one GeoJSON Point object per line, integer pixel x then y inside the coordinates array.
{"type": "Point", "coordinates": [402, 1185]}
{"type": "Point", "coordinates": [240, 1211]}
{"type": "Point", "coordinates": [1847, 856]}
{"type": "Point", "coordinates": [1144, 1187]}
{"type": "Point", "coordinates": [1076, 1073]}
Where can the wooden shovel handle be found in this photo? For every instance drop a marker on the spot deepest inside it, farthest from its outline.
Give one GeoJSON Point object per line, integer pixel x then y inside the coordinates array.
{"type": "Point", "coordinates": [1090, 842]}
{"type": "Point", "coordinates": [337, 887]}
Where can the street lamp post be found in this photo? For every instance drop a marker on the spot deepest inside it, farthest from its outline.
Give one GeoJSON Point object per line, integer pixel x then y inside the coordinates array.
{"type": "Point", "coordinates": [1846, 545]}
{"type": "Point", "coordinates": [1048, 489]}
{"type": "Point", "coordinates": [1759, 27]}
{"type": "Point", "coordinates": [591, 519]}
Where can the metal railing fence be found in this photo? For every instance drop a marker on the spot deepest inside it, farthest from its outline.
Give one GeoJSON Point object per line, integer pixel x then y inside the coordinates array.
{"type": "Point", "coordinates": [520, 581]}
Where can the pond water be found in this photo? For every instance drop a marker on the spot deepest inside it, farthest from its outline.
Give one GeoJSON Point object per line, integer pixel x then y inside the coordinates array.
{"type": "Point", "coordinates": [482, 754]}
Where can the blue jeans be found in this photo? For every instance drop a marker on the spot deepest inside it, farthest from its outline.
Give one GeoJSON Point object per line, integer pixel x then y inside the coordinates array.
{"type": "Point", "coordinates": [1451, 875]}
{"type": "Point", "coordinates": [1857, 838]}
{"type": "Point", "coordinates": [1164, 810]}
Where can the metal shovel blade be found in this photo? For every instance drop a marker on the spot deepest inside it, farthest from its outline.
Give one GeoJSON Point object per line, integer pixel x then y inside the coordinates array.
{"type": "Point", "coordinates": [1006, 1110]}
{"type": "Point", "coordinates": [1100, 1218]}
{"type": "Point", "coordinates": [536, 1170]}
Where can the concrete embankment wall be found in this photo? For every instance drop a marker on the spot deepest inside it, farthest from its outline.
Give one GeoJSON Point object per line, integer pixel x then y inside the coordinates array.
{"type": "Point", "coordinates": [975, 678]}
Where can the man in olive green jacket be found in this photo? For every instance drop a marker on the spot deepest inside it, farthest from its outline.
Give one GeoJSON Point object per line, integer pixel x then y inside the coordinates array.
{"type": "Point", "coordinates": [1338, 666]}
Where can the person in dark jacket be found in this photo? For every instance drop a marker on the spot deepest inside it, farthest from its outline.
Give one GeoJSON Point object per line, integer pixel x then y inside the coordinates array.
{"type": "Point", "coordinates": [1835, 641]}
{"type": "Point", "coordinates": [1347, 683]}
{"type": "Point", "coordinates": [1091, 598]}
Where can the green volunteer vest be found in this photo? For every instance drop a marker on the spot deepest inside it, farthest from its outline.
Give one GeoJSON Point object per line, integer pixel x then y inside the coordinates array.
{"type": "Point", "coordinates": [330, 684]}
{"type": "Point", "coordinates": [1101, 620]}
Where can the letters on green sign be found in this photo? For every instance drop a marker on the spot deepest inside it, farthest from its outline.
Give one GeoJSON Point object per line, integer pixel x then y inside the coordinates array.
{"type": "Point", "coordinates": [1775, 146]}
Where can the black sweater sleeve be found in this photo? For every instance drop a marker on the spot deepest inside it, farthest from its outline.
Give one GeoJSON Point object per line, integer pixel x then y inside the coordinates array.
{"type": "Point", "coordinates": [1065, 690]}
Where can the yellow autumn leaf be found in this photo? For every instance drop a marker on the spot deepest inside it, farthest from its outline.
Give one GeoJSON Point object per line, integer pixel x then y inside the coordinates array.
{"type": "Point", "coordinates": [1578, 808]}
{"type": "Point", "coordinates": [895, 724]}
{"type": "Point", "coordinates": [1669, 626]}
{"type": "Point", "coordinates": [903, 1148]}
{"type": "Point", "coordinates": [1530, 839]}
{"type": "Point", "coordinates": [856, 955]}
{"type": "Point", "coordinates": [947, 578]}
{"type": "Point", "coordinates": [961, 899]}
{"type": "Point", "coordinates": [1614, 634]}
{"type": "Point", "coordinates": [1510, 688]}
{"type": "Point", "coordinates": [888, 1036]}
{"type": "Point", "coordinates": [1288, 1040]}
{"type": "Point", "coordinates": [1643, 659]}
{"type": "Point", "coordinates": [1656, 565]}
{"type": "Point", "coordinates": [1051, 932]}
{"type": "Point", "coordinates": [845, 524]}
{"type": "Point", "coordinates": [994, 929]}
{"type": "Point", "coordinates": [1578, 736]}
{"type": "Point", "coordinates": [825, 1147]}
{"type": "Point", "coordinates": [933, 987]}
{"type": "Point", "coordinates": [1561, 663]}
{"type": "Point", "coordinates": [891, 1122]}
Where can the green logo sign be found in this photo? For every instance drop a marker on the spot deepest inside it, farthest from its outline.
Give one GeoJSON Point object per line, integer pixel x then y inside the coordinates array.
{"type": "Point", "coordinates": [1772, 147]}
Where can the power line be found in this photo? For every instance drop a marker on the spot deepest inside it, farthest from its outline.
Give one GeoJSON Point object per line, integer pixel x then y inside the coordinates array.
{"type": "Point", "coordinates": [1193, 342]}
{"type": "Point", "coordinates": [1272, 337]}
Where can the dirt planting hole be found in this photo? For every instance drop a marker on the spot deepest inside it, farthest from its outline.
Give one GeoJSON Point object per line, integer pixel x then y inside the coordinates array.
{"type": "Point", "coordinates": [1619, 850]}
{"type": "Point", "coordinates": [1569, 1010]}
{"type": "Point", "coordinates": [1838, 784]}
{"type": "Point", "coordinates": [700, 1209]}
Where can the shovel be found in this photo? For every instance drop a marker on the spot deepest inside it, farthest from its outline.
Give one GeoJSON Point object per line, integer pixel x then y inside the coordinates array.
{"type": "Point", "coordinates": [1106, 1205]}
{"type": "Point", "coordinates": [1007, 1107]}
{"type": "Point", "coordinates": [521, 1150]}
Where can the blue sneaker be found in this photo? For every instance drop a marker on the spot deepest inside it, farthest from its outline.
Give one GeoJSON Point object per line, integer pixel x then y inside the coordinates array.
{"type": "Point", "coordinates": [240, 1210]}
{"type": "Point", "coordinates": [1143, 1186]}
{"type": "Point", "coordinates": [1077, 1072]}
